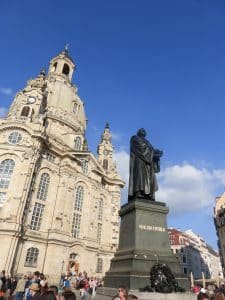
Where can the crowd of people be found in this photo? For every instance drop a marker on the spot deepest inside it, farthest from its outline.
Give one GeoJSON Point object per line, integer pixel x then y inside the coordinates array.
{"type": "Point", "coordinates": [36, 287]}
{"type": "Point", "coordinates": [212, 292]}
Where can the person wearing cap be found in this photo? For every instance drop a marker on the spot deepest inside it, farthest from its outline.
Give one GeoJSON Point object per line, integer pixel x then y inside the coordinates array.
{"type": "Point", "coordinates": [35, 291]}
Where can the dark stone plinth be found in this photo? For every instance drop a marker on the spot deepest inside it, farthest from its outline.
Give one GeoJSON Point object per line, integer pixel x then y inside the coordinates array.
{"type": "Point", "coordinates": [143, 242]}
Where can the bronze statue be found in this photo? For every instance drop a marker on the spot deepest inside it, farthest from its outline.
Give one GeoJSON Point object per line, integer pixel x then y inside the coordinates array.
{"type": "Point", "coordinates": [144, 163]}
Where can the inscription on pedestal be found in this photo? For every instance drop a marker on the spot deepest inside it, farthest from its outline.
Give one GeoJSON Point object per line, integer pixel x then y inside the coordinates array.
{"type": "Point", "coordinates": [151, 228]}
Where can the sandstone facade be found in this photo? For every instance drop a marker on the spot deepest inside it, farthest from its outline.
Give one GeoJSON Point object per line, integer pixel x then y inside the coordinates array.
{"type": "Point", "coordinates": [58, 202]}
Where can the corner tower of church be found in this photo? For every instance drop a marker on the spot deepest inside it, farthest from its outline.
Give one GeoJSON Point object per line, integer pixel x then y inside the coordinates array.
{"type": "Point", "coordinates": [58, 202]}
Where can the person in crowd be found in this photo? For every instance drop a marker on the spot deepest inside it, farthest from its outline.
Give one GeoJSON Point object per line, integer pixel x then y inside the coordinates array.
{"type": "Point", "coordinates": [66, 282]}
{"type": "Point", "coordinates": [35, 291]}
{"type": "Point", "coordinates": [203, 295]}
{"type": "Point", "coordinates": [8, 287]}
{"type": "Point", "coordinates": [68, 295]}
{"type": "Point", "coordinates": [219, 296]}
{"type": "Point", "coordinates": [48, 295]}
{"type": "Point", "coordinates": [13, 286]}
{"type": "Point", "coordinates": [43, 281]}
{"type": "Point", "coordinates": [3, 285]}
{"type": "Point", "coordinates": [27, 286]}
{"type": "Point", "coordinates": [36, 277]}
{"type": "Point", "coordinates": [92, 287]}
{"type": "Point", "coordinates": [122, 293]}
{"type": "Point", "coordinates": [55, 290]}
{"type": "Point", "coordinates": [84, 287]}
{"type": "Point", "coordinates": [20, 288]}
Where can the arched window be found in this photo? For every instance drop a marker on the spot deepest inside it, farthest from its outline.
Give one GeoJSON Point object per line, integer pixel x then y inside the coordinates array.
{"type": "Point", "coordinates": [99, 266]}
{"type": "Point", "coordinates": [54, 67]}
{"type": "Point", "coordinates": [25, 111]}
{"type": "Point", "coordinates": [43, 187]}
{"type": "Point", "coordinates": [100, 209]}
{"type": "Point", "coordinates": [75, 107]}
{"type": "Point", "coordinates": [73, 256]}
{"type": "Point", "coordinates": [66, 69]}
{"type": "Point", "coordinates": [31, 257]}
{"type": "Point", "coordinates": [105, 164]}
{"type": "Point", "coordinates": [79, 197]}
{"type": "Point", "coordinates": [6, 171]}
{"type": "Point", "coordinates": [77, 143]}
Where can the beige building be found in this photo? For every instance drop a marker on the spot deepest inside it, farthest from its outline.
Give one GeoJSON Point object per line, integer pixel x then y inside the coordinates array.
{"type": "Point", "coordinates": [219, 221]}
{"type": "Point", "coordinates": [58, 202]}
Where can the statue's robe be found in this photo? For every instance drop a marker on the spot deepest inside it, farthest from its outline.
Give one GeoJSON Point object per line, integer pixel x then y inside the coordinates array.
{"type": "Point", "coordinates": [142, 174]}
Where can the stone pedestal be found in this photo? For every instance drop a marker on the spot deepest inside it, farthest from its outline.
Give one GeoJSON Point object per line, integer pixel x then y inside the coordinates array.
{"type": "Point", "coordinates": [143, 242]}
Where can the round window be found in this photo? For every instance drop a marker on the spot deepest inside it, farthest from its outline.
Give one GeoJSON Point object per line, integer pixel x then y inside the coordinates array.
{"type": "Point", "coordinates": [14, 137]}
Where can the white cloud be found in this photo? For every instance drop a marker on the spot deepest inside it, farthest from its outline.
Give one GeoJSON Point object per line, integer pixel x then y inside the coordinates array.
{"type": "Point", "coordinates": [116, 136]}
{"type": "Point", "coordinates": [3, 112]}
{"type": "Point", "coordinates": [184, 188]}
{"type": "Point", "coordinates": [6, 91]}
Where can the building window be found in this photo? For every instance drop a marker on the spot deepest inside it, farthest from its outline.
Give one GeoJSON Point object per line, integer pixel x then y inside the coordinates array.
{"type": "Point", "coordinates": [14, 138]}
{"type": "Point", "coordinates": [43, 186]}
{"type": "Point", "coordinates": [54, 67]}
{"type": "Point", "coordinates": [37, 216]}
{"type": "Point", "coordinates": [185, 271]}
{"type": "Point", "coordinates": [84, 166]}
{"type": "Point", "coordinates": [73, 256]}
{"type": "Point", "coordinates": [66, 69]}
{"type": "Point", "coordinates": [25, 111]}
{"type": "Point", "coordinates": [31, 258]}
{"type": "Point", "coordinates": [100, 209]}
{"type": "Point", "coordinates": [2, 198]}
{"type": "Point", "coordinates": [6, 171]}
{"type": "Point", "coordinates": [49, 156]}
{"type": "Point", "coordinates": [105, 164]}
{"type": "Point", "coordinates": [76, 225]}
{"type": "Point", "coordinates": [77, 143]}
{"type": "Point", "coordinates": [184, 260]}
{"type": "Point", "coordinates": [99, 233]}
{"type": "Point", "coordinates": [75, 107]}
{"type": "Point", "coordinates": [99, 266]}
{"type": "Point", "coordinates": [79, 197]}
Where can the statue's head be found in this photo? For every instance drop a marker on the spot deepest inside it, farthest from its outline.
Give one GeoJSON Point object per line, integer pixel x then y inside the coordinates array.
{"type": "Point", "coordinates": [141, 132]}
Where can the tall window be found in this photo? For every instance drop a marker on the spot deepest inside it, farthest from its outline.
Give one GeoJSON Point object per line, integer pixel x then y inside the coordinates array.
{"type": "Point", "coordinates": [77, 143]}
{"type": "Point", "coordinates": [37, 216]}
{"type": "Point", "coordinates": [105, 164]}
{"type": "Point", "coordinates": [25, 111]}
{"type": "Point", "coordinates": [100, 209]}
{"type": "Point", "coordinates": [2, 198]}
{"type": "Point", "coordinates": [43, 187]}
{"type": "Point", "coordinates": [76, 225]}
{"type": "Point", "coordinates": [75, 107]}
{"type": "Point", "coordinates": [99, 233]}
{"type": "Point", "coordinates": [31, 257]}
{"type": "Point", "coordinates": [78, 204]}
{"type": "Point", "coordinates": [99, 266]}
{"type": "Point", "coordinates": [84, 166]}
{"type": "Point", "coordinates": [79, 196]}
{"type": "Point", "coordinates": [6, 171]}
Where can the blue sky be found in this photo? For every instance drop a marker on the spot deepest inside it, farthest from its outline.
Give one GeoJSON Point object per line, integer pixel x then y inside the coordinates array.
{"type": "Point", "coordinates": [153, 64]}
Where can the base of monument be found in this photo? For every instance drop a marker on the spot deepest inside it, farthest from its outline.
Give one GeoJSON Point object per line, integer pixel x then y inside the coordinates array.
{"type": "Point", "coordinates": [105, 293]}
{"type": "Point", "coordinates": [144, 243]}
{"type": "Point", "coordinates": [133, 271]}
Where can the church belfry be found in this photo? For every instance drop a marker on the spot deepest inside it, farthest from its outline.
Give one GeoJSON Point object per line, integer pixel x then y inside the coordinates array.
{"type": "Point", "coordinates": [62, 65]}
{"type": "Point", "coordinates": [55, 195]}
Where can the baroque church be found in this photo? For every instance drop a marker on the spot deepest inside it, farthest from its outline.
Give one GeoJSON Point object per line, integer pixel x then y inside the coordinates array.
{"type": "Point", "coordinates": [58, 201]}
